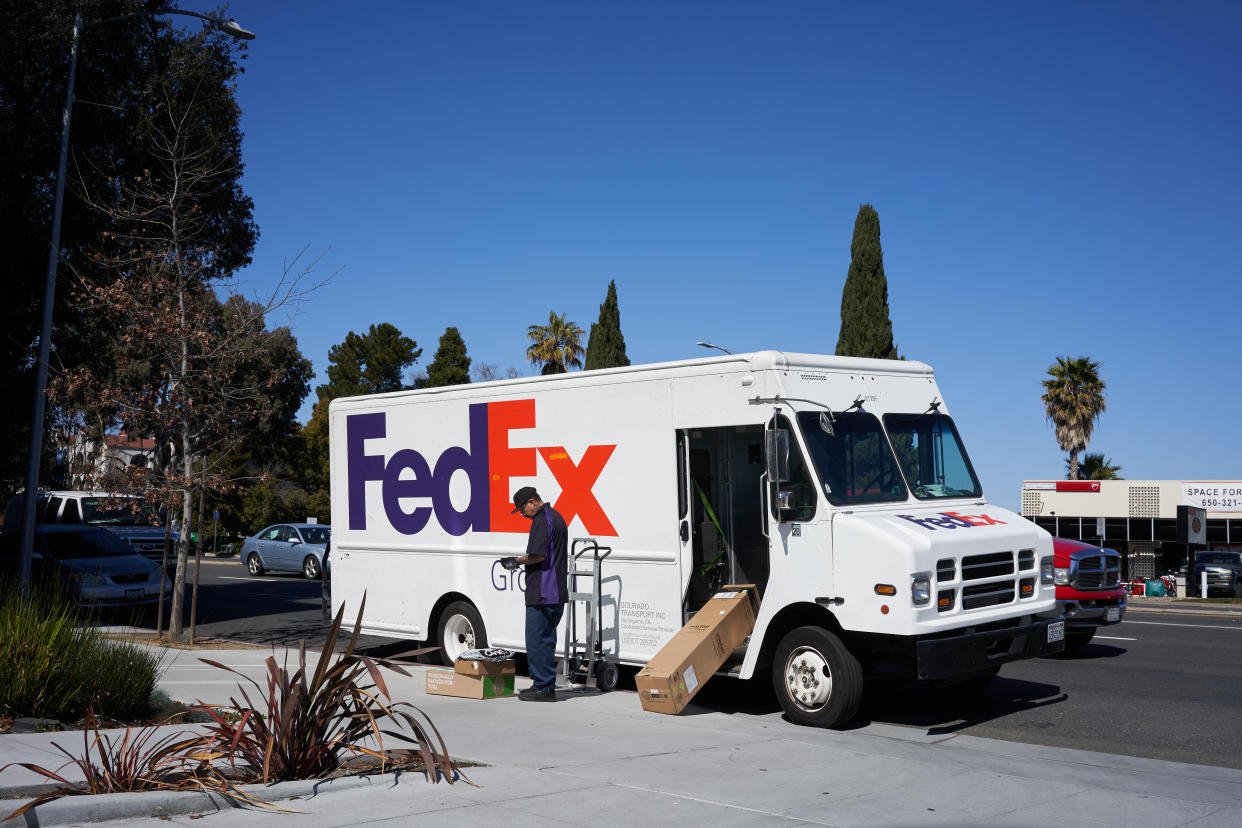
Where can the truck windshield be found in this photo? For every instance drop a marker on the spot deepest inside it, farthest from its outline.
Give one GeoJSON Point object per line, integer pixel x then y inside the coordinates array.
{"type": "Point", "coordinates": [932, 456]}
{"type": "Point", "coordinates": [855, 463]}
{"type": "Point", "coordinates": [118, 511]}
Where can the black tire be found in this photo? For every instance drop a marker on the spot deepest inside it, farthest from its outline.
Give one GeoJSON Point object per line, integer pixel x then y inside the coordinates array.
{"type": "Point", "coordinates": [255, 564]}
{"type": "Point", "coordinates": [459, 628]}
{"type": "Point", "coordinates": [607, 675]}
{"type": "Point", "coordinates": [971, 685]}
{"type": "Point", "coordinates": [818, 681]}
{"type": "Point", "coordinates": [311, 570]}
{"type": "Point", "coordinates": [1075, 640]}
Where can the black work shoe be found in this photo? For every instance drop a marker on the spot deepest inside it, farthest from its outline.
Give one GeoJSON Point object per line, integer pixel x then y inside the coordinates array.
{"type": "Point", "coordinates": [531, 694]}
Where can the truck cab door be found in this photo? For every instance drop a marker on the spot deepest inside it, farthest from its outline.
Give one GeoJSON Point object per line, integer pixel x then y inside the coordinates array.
{"type": "Point", "coordinates": [800, 545]}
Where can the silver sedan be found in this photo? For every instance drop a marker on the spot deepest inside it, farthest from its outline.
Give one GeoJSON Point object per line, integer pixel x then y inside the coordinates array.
{"type": "Point", "coordinates": [287, 547]}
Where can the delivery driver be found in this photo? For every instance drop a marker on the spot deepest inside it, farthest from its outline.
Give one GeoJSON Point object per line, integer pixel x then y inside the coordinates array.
{"type": "Point", "coordinates": [546, 589]}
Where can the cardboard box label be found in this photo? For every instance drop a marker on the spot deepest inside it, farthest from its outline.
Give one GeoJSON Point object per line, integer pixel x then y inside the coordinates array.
{"type": "Point", "coordinates": [692, 681]}
{"type": "Point", "coordinates": [453, 683]}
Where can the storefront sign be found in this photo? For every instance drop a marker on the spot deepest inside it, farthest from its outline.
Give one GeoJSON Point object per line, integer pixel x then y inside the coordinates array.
{"type": "Point", "coordinates": [1215, 497]}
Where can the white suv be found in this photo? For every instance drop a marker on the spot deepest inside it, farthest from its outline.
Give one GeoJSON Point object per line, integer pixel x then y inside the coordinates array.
{"type": "Point", "coordinates": [126, 516]}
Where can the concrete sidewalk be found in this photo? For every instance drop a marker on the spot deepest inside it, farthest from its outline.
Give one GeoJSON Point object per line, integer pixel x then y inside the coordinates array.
{"type": "Point", "coordinates": [594, 759]}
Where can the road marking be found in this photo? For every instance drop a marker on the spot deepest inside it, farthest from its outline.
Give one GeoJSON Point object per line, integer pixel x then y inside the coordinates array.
{"type": "Point", "coordinates": [252, 579]}
{"type": "Point", "coordinates": [1114, 638]}
{"type": "Point", "coordinates": [1196, 626]}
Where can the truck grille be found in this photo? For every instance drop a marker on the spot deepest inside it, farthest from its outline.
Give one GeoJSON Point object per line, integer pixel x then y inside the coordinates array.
{"type": "Point", "coordinates": [986, 580]}
{"type": "Point", "coordinates": [975, 596]}
{"type": "Point", "coordinates": [975, 567]}
{"type": "Point", "coordinates": [1098, 571]}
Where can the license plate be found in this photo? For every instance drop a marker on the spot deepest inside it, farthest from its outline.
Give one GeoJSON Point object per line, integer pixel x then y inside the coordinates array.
{"type": "Point", "coordinates": [1112, 615]}
{"type": "Point", "coordinates": [135, 594]}
{"type": "Point", "coordinates": [1056, 631]}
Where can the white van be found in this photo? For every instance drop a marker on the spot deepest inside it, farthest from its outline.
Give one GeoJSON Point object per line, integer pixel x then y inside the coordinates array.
{"type": "Point", "coordinates": [839, 487]}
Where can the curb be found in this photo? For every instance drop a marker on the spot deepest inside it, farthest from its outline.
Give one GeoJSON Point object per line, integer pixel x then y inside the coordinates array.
{"type": "Point", "coordinates": [1190, 609]}
{"type": "Point", "coordinates": [74, 810]}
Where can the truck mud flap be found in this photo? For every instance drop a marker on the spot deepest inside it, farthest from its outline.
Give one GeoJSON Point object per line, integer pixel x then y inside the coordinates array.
{"type": "Point", "coordinates": [949, 657]}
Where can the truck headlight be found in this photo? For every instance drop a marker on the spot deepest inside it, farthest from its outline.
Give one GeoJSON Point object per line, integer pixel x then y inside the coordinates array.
{"type": "Point", "coordinates": [920, 590]}
{"type": "Point", "coordinates": [1046, 577]}
{"type": "Point", "coordinates": [1061, 576]}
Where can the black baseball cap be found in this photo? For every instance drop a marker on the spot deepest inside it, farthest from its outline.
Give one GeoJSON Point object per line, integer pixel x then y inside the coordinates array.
{"type": "Point", "coordinates": [521, 496]}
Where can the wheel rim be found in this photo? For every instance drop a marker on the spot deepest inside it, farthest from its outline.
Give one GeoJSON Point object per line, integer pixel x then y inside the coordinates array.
{"type": "Point", "coordinates": [458, 636]}
{"type": "Point", "coordinates": [808, 680]}
{"type": "Point", "coordinates": [254, 564]}
{"type": "Point", "coordinates": [310, 569]}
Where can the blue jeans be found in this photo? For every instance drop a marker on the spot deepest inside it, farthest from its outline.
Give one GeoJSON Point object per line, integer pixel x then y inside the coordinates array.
{"type": "Point", "coordinates": [541, 624]}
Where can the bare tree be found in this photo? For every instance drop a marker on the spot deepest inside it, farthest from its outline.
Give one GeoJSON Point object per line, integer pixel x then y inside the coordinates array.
{"type": "Point", "coordinates": [180, 352]}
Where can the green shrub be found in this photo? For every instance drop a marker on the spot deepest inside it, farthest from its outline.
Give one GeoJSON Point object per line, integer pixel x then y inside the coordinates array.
{"type": "Point", "coordinates": [51, 665]}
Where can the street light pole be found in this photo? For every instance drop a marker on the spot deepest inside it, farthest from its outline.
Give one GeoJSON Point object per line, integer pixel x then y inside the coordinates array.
{"type": "Point", "coordinates": [34, 459]}
{"type": "Point", "coordinates": [717, 347]}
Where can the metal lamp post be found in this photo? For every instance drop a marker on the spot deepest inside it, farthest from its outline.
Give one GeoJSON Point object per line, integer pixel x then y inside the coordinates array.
{"type": "Point", "coordinates": [229, 27]}
{"type": "Point", "coordinates": [717, 347]}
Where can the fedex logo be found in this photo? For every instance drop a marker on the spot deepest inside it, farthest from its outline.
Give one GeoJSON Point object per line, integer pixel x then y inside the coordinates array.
{"type": "Point", "coordinates": [489, 464]}
{"type": "Point", "coordinates": [952, 520]}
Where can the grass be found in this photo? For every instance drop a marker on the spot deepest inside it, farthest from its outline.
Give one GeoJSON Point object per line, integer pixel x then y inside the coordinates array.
{"type": "Point", "coordinates": [52, 665]}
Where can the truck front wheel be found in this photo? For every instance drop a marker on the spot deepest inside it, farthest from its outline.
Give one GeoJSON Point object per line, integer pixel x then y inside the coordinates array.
{"type": "Point", "coordinates": [818, 681]}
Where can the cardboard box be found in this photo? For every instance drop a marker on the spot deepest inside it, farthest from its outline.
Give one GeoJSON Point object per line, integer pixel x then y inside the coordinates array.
{"type": "Point", "coordinates": [676, 673]}
{"type": "Point", "coordinates": [485, 668]}
{"type": "Point", "coordinates": [453, 683]}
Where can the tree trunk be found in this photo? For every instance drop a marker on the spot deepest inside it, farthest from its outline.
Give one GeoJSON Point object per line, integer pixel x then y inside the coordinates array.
{"type": "Point", "coordinates": [1073, 464]}
{"type": "Point", "coordinates": [175, 625]}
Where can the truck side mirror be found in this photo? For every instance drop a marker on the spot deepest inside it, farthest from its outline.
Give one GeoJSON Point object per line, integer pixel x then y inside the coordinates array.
{"type": "Point", "coordinates": [778, 455]}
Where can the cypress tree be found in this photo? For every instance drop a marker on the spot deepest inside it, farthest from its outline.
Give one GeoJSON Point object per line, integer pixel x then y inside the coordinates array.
{"type": "Point", "coordinates": [451, 366]}
{"type": "Point", "coordinates": [866, 330]}
{"type": "Point", "coordinates": [606, 345]}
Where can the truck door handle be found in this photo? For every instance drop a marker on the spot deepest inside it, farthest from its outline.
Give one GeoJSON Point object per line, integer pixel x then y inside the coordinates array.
{"type": "Point", "coordinates": [685, 531]}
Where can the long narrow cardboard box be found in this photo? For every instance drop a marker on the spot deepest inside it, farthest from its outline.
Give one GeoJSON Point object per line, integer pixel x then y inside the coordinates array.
{"type": "Point", "coordinates": [681, 668]}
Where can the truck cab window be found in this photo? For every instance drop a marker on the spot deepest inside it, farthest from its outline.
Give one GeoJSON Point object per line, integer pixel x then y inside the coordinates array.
{"type": "Point", "coordinates": [855, 463]}
{"type": "Point", "coordinates": [932, 456]}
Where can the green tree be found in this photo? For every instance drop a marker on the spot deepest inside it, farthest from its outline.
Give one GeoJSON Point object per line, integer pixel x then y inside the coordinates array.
{"type": "Point", "coordinates": [450, 366]}
{"type": "Point", "coordinates": [370, 363]}
{"type": "Point", "coordinates": [1094, 467]}
{"type": "Point", "coordinates": [1073, 400]}
{"type": "Point", "coordinates": [606, 345]}
{"type": "Point", "coordinates": [556, 346]}
{"type": "Point", "coordinates": [866, 330]}
{"type": "Point", "coordinates": [137, 66]}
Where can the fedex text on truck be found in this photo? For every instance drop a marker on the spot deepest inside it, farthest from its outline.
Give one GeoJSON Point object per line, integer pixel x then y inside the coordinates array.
{"type": "Point", "coordinates": [489, 463]}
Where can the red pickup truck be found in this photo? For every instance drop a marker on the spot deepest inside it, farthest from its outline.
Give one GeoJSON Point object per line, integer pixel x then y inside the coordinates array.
{"type": "Point", "coordinates": [1089, 590]}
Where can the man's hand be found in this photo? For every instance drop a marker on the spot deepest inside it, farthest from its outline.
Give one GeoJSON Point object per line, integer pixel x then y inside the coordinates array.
{"type": "Point", "coordinates": [509, 563]}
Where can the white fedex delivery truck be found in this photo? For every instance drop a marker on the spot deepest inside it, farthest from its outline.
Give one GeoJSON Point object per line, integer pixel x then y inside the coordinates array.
{"type": "Point", "coordinates": [839, 487]}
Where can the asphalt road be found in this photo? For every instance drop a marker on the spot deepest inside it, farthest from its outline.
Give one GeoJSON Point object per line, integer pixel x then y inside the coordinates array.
{"type": "Point", "coordinates": [1159, 685]}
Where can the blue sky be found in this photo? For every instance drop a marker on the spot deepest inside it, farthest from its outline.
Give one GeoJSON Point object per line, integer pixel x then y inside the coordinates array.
{"type": "Point", "coordinates": [1051, 179]}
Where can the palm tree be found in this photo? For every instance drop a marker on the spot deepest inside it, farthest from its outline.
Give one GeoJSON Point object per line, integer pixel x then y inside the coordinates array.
{"type": "Point", "coordinates": [1096, 467]}
{"type": "Point", "coordinates": [557, 346]}
{"type": "Point", "coordinates": [1074, 400]}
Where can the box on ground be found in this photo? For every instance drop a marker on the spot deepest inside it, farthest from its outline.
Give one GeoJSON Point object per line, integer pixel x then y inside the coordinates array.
{"type": "Point", "coordinates": [453, 683]}
{"type": "Point", "coordinates": [485, 668]}
{"type": "Point", "coordinates": [688, 660]}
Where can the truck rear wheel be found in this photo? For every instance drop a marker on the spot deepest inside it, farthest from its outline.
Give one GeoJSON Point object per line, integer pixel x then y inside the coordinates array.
{"type": "Point", "coordinates": [818, 681]}
{"type": "Point", "coordinates": [460, 629]}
